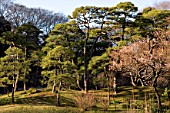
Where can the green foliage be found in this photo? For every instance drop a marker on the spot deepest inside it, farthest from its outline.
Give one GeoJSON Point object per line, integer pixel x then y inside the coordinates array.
{"type": "Point", "coordinates": [158, 17]}
{"type": "Point", "coordinates": [122, 43]}
{"type": "Point", "coordinates": [11, 64]}
{"type": "Point", "coordinates": [165, 93]}
{"type": "Point", "coordinates": [97, 63]}
{"type": "Point", "coordinates": [62, 44]}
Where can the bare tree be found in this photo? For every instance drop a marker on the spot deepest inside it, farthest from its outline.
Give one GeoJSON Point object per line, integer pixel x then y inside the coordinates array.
{"type": "Point", "coordinates": [149, 58]}
{"type": "Point", "coordinates": [163, 5]}
{"type": "Point", "coordinates": [43, 19]}
{"type": "Point", "coordinates": [4, 6]}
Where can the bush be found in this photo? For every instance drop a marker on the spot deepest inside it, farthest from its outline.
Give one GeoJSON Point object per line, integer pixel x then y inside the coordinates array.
{"type": "Point", "coordinates": [85, 101]}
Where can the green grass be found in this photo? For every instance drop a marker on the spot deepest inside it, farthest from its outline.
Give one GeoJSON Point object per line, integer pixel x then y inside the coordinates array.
{"type": "Point", "coordinates": [45, 101]}
{"type": "Point", "coordinates": [38, 109]}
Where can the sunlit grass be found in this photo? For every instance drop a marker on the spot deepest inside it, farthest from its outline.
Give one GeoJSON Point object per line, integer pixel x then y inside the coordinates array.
{"type": "Point", "coordinates": [45, 102]}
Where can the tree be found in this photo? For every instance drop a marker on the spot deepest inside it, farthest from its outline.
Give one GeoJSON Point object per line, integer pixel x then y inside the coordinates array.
{"type": "Point", "coordinates": [27, 38]}
{"type": "Point", "coordinates": [61, 47]}
{"type": "Point", "coordinates": [91, 20]}
{"type": "Point", "coordinates": [57, 64]}
{"type": "Point", "coordinates": [122, 15]}
{"type": "Point", "coordinates": [147, 59]}
{"type": "Point", "coordinates": [163, 5]}
{"type": "Point", "coordinates": [11, 67]}
{"type": "Point", "coordinates": [5, 26]}
{"type": "Point", "coordinates": [43, 19]}
{"type": "Point", "coordinates": [4, 4]}
{"type": "Point", "coordinates": [158, 18]}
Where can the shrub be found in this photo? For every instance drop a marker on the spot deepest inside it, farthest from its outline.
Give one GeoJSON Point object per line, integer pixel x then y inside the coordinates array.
{"type": "Point", "coordinates": [85, 101]}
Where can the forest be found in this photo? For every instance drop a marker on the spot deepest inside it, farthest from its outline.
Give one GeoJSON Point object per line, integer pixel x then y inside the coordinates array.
{"type": "Point", "coordinates": [112, 59]}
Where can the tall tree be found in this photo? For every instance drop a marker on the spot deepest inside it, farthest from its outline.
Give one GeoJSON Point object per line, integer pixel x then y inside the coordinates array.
{"type": "Point", "coordinates": [62, 45]}
{"type": "Point", "coordinates": [84, 17]}
{"type": "Point", "coordinates": [91, 20]}
{"type": "Point", "coordinates": [123, 15]}
{"type": "Point", "coordinates": [11, 67]}
{"type": "Point", "coordinates": [27, 38]}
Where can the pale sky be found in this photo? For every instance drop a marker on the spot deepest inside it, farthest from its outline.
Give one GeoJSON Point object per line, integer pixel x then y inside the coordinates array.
{"type": "Point", "coordinates": [68, 6]}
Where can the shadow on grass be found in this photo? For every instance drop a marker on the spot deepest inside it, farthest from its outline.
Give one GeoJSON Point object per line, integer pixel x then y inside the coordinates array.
{"type": "Point", "coordinates": [45, 100]}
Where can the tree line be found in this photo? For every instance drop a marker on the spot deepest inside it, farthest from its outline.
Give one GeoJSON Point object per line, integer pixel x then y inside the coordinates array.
{"type": "Point", "coordinates": [90, 51]}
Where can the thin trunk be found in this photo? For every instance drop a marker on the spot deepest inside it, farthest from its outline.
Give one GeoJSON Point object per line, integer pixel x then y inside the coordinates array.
{"type": "Point", "coordinates": [123, 32]}
{"type": "Point", "coordinates": [142, 83]}
{"type": "Point", "coordinates": [58, 94]}
{"type": "Point", "coordinates": [60, 86]}
{"type": "Point", "coordinates": [12, 97]}
{"type": "Point", "coordinates": [154, 85]}
{"type": "Point", "coordinates": [25, 86]}
{"type": "Point", "coordinates": [108, 85]}
{"type": "Point", "coordinates": [16, 82]}
{"type": "Point", "coordinates": [100, 35]}
{"type": "Point", "coordinates": [58, 99]}
{"type": "Point", "coordinates": [54, 86]}
{"type": "Point", "coordinates": [7, 91]}
{"type": "Point", "coordinates": [158, 99]}
{"type": "Point", "coordinates": [132, 80]}
{"type": "Point", "coordinates": [114, 85]}
{"type": "Point", "coordinates": [78, 83]}
{"type": "Point", "coordinates": [123, 28]}
{"type": "Point", "coordinates": [85, 62]}
{"type": "Point", "coordinates": [13, 87]}
{"type": "Point", "coordinates": [146, 107]}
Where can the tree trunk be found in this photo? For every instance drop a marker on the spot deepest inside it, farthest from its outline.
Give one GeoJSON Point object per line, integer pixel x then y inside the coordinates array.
{"type": "Point", "coordinates": [132, 80]}
{"type": "Point", "coordinates": [54, 86]}
{"type": "Point", "coordinates": [58, 99]}
{"type": "Point", "coordinates": [25, 86]}
{"type": "Point", "coordinates": [146, 104]}
{"type": "Point", "coordinates": [78, 83]}
{"type": "Point", "coordinates": [85, 61]}
{"type": "Point", "coordinates": [123, 28]}
{"type": "Point", "coordinates": [114, 85]}
{"type": "Point", "coordinates": [123, 32]}
{"type": "Point", "coordinates": [12, 96]}
{"type": "Point", "coordinates": [7, 91]}
{"type": "Point", "coordinates": [108, 85]}
{"type": "Point", "coordinates": [142, 83]}
{"type": "Point", "coordinates": [13, 87]}
{"type": "Point", "coordinates": [158, 99]}
{"type": "Point", "coordinates": [58, 94]}
{"type": "Point", "coordinates": [16, 82]}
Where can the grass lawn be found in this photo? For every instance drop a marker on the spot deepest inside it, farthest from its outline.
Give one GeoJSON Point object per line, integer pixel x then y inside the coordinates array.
{"type": "Point", "coordinates": [127, 99]}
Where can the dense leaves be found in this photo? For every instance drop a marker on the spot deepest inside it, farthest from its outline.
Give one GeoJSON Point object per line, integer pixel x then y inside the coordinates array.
{"type": "Point", "coordinates": [98, 46]}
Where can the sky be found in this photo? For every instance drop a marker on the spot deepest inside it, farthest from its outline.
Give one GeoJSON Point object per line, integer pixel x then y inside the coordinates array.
{"type": "Point", "coordinates": [68, 6]}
